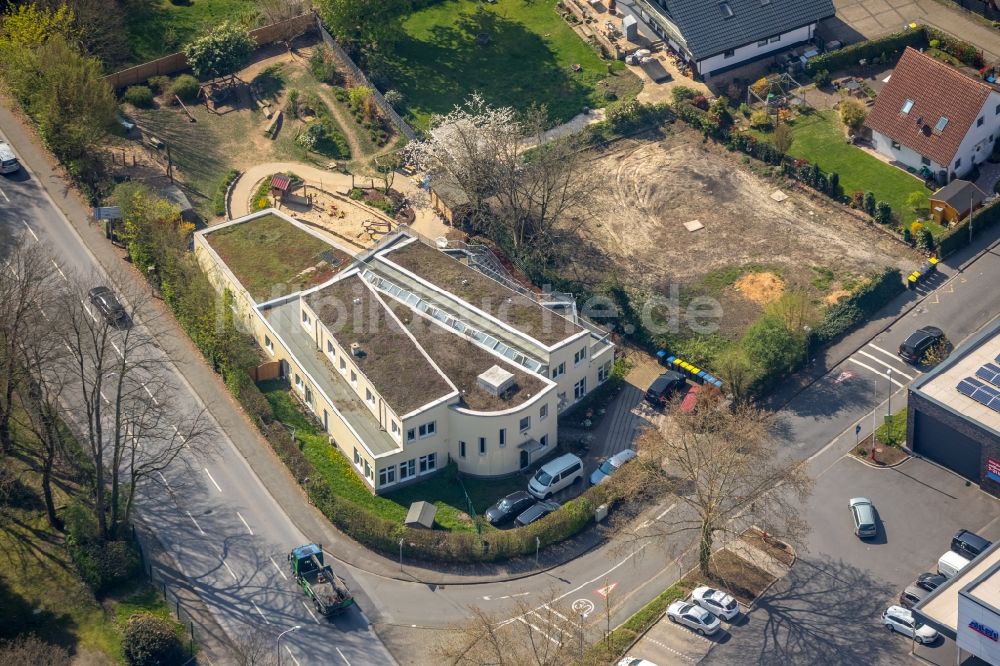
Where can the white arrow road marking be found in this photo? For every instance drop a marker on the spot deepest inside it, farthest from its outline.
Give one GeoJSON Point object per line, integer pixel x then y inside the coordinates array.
{"type": "Point", "coordinates": [283, 574]}
{"type": "Point", "coordinates": [213, 480]}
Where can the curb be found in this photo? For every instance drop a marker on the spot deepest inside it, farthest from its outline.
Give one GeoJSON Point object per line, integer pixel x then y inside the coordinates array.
{"type": "Point", "coordinates": [753, 602]}
{"type": "Point", "coordinates": [865, 461]}
{"type": "Point", "coordinates": [229, 195]}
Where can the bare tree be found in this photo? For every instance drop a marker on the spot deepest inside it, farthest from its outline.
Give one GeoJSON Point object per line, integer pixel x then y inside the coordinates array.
{"type": "Point", "coordinates": [135, 425]}
{"type": "Point", "coordinates": [29, 650]}
{"type": "Point", "coordinates": [25, 287]}
{"type": "Point", "coordinates": [535, 636]}
{"type": "Point", "coordinates": [722, 463]}
{"type": "Point", "coordinates": [255, 647]}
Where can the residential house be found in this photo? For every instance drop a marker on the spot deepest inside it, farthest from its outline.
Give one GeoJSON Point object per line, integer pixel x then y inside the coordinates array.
{"type": "Point", "coordinates": [933, 119]}
{"type": "Point", "coordinates": [409, 356]}
{"type": "Point", "coordinates": [955, 200]}
{"type": "Point", "coordinates": [716, 36]}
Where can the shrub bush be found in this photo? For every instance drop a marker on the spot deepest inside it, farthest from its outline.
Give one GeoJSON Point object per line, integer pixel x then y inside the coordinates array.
{"type": "Point", "coordinates": [158, 84]}
{"type": "Point", "coordinates": [324, 67]}
{"type": "Point", "coordinates": [821, 78]}
{"type": "Point", "coordinates": [772, 347]}
{"type": "Point", "coordinates": [883, 47]}
{"type": "Point", "coordinates": [883, 213]}
{"type": "Point", "coordinates": [151, 641]}
{"type": "Point", "coordinates": [219, 199]}
{"type": "Point", "coordinates": [140, 96]}
{"type": "Point", "coordinates": [844, 315]}
{"type": "Point", "coordinates": [761, 119]}
{"type": "Point", "coordinates": [682, 93]}
{"type": "Point", "coordinates": [853, 113]}
{"type": "Point", "coordinates": [186, 87]}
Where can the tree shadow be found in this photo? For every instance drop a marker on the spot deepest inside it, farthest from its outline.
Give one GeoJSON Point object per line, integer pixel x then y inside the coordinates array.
{"type": "Point", "coordinates": [824, 612]}
{"type": "Point", "coordinates": [20, 617]}
{"type": "Point", "coordinates": [481, 51]}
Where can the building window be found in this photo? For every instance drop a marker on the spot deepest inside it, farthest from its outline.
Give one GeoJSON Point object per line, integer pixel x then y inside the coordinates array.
{"type": "Point", "coordinates": [411, 434]}
{"type": "Point", "coordinates": [997, 112]}
{"type": "Point", "coordinates": [386, 476]}
{"type": "Point", "coordinates": [580, 389]}
{"type": "Point", "coordinates": [543, 441]}
{"type": "Point", "coordinates": [427, 429]}
{"type": "Point", "coordinates": [926, 161]}
{"type": "Point", "coordinates": [979, 121]}
{"type": "Point", "coordinates": [357, 457]}
{"type": "Point", "coordinates": [268, 344]}
{"type": "Point", "coordinates": [298, 382]}
{"type": "Point", "coordinates": [958, 162]}
{"type": "Point", "coordinates": [354, 378]}
{"type": "Point", "coordinates": [407, 469]}
{"type": "Point", "coordinates": [461, 449]}
{"type": "Point", "coordinates": [369, 397]}
{"type": "Point", "coordinates": [503, 438]}
{"type": "Point", "coordinates": [895, 145]}
{"type": "Point", "coordinates": [482, 446]}
{"type": "Point", "coordinates": [603, 372]}
{"type": "Point", "coordinates": [309, 397]}
{"type": "Point", "coordinates": [329, 349]}
{"type": "Point", "coordinates": [729, 53]}
{"type": "Point", "coordinates": [559, 370]}
{"type": "Point", "coordinates": [525, 423]}
{"type": "Point", "coordinates": [776, 38]}
{"type": "Point", "coordinates": [429, 462]}
{"type": "Point", "coordinates": [543, 412]}
{"type": "Point", "coordinates": [343, 365]}
{"type": "Point", "coordinates": [579, 356]}
{"type": "Point", "coordinates": [305, 317]}
{"type": "Point", "coordinates": [762, 42]}
{"type": "Point", "coordinates": [395, 427]}
{"type": "Point", "coordinates": [368, 470]}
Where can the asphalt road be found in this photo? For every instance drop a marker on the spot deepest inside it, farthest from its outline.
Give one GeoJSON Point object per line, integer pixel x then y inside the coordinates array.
{"type": "Point", "coordinates": [225, 532]}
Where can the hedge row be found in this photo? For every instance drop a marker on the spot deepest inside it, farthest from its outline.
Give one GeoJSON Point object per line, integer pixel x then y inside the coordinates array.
{"type": "Point", "coordinates": [957, 236]}
{"type": "Point", "coordinates": [889, 46]}
{"type": "Point", "coordinates": [859, 306]}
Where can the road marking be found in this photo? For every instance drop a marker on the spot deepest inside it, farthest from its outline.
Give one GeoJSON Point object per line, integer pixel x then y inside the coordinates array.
{"type": "Point", "coordinates": [5, 196]}
{"type": "Point", "coordinates": [155, 401]}
{"type": "Point", "coordinates": [554, 611]}
{"type": "Point", "coordinates": [30, 230]}
{"type": "Point", "coordinates": [343, 657]}
{"type": "Point", "coordinates": [60, 270]}
{"type": "Point", "coordinates": [120, 353]}
{"type": "Point", "coordinates": [521, 619]}
{"type": "Point", "coordinates": [606, 590]}
{"type": "Point", "coordinates": [666, 511]}
{"type": "Point", "coordinates": [164, 479]}
{"type": "Point", "coordinates": [670, 649]}
{"type": "Point", "coordinates": [880, 374]}
{"type": "Point", "coordinates": [292, 656]}
{"type": "Point", "coordinates": [878, 360]}
{"type": "Point", "coordinates": [283, 574]}
{"type": "Point", "coordinates": [309, 610]}
{"type": "Point", "coordinates": [228, 568]}
{"type": "Point", "coordinates": [196, 523]}
{"type": "Point", "coordinates": [583, 607]}
{"type": "Point", "coordinates": [884, 351]}
{"type": "Point", "coordinates": [266, 621]}
{"type": "Point", "coordinates": [245, 524]}
{"type": "Point", "coordinates": [213, 480]}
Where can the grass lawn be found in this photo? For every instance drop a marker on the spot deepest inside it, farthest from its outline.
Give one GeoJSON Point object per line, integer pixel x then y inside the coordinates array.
{"type": "Point", "coordinates": [819, 138]}
{"type": "Point", "coordinates": [441, 489]}
{"type": "Point", "coordinates": [164, 27]}
{"type": "Point", "coordinates": [40, 591]}
{"type": "Point", "coordinates": [438, 63]}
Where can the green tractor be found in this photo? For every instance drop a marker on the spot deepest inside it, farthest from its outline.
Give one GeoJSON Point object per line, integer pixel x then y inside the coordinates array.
{"type": "Point", "coordinates": [327, 590]}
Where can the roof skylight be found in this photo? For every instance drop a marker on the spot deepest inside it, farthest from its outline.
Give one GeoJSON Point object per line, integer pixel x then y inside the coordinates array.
{"type": "Point", "coordinates": [941, 124]}
{"type": "Point", "coordinates": [907, 105]}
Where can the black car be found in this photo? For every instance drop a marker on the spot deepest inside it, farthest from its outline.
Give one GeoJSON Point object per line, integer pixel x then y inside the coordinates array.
{"type": "Point", "coordinates": [109, 305]}
{"type": "Point", "coordinates": [911, 596]}
{"type": "Point", "coordinates": [969, 544]}
{"type": "Point", "coordinates": [916, 345]}
{"type": "Point", "coordinates": [509, 506]}
{"type": "Point", "coordinates": [535, 512]}
{"type": "Point", "coordinates": [930, 581]}
{"type": "Point", "coordinates": [664, 387]}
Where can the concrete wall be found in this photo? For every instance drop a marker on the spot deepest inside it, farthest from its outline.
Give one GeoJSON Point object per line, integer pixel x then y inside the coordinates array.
{"type": "Point", "coordinates": [755, 50]}
{"type": "Point", "coordinates": [176, 62]}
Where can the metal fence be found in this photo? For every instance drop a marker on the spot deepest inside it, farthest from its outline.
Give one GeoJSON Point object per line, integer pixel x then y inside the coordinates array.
{"type": "Point", "coordinates": [360, 77]}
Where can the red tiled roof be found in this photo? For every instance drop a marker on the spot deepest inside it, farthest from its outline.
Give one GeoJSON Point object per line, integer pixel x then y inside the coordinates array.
{"type": "Point", "coordinates": [279, 182]}
{"type": "Point", "coordinates": [937, 90]}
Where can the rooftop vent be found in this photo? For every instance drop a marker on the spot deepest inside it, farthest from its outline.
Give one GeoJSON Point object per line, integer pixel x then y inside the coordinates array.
{"type": "Point", "coordinates": [496, 381]}
{"type": "Point", "coordinates": [727, 11]}
{"type": "Point", "coordinates": [356, 349]}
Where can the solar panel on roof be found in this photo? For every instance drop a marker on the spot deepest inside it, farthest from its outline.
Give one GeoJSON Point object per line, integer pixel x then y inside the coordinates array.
{"type": "Point", "coordinates": [984, 394]}
{"type": "Point", "coordinates": [989, 373]}
{"type": "Point", "coordinates": [968, 386]}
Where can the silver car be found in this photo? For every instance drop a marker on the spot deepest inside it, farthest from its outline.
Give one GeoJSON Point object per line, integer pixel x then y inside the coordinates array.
{"type": "Point", "coordinates": [716, 602]}
{"type": "Point", "coordinates": [693, 617]}
{"type": "Point", "coordinates": [863, 515]}
{"type": "Point", "coordinates": [610, 466]}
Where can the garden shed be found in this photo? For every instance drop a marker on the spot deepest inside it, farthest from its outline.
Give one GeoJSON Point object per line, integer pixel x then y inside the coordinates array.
{"type": "Point", "coordinates": [955, 200]}
{"type": "Point", "coordinates": [421, 515]}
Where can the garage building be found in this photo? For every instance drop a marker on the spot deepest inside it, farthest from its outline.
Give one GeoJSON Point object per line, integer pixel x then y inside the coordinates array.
{"type": "Point", "coordinates": [953, 412]}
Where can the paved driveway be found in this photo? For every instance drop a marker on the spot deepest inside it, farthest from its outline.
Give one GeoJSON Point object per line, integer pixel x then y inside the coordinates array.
{"type": "Point", "coordinates": [827, 610]}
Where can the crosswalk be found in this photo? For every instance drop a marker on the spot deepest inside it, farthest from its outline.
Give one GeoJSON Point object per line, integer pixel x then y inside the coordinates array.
{"type": "Point", "coordinates": [882, 363]}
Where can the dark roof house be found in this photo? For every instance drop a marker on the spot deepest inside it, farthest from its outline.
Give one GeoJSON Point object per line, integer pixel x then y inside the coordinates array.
{"type": "Point", "coordinates": [960, 195]}
{"type": "Point", "coordinates": [928, 107]}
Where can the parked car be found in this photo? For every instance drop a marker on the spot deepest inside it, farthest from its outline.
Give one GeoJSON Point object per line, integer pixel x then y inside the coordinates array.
{"type": "Point", "coordinates": [901, 620]}
{"type": "Point", "coordinates": [969, 544]}
{"type": "Point", "coordinates": [635, 661]}
{"type": "Point", "coordinates": [555, 475]}
{"type": "Point", "coordinates": [535, 512]}
{"type": "Point", "coordinates": [716, 602]}
{"type": "Point", "coordinates": [694, 617]}
{"type": "Point", "coordinates": [664, 387]}
{"type": "Point", "coordinates": [610, 465]}
{"type": "Point", "coordinates": [863, 515]}
{"type": "Point", "coordinates": [108, 304]}
{"type": "Point", "coordinates": [913, 347]}
{"type": "Point", "coordinates": [509, 507]}
{"type": "Point", "coordinates": [8, 160]}
{"type": "Point", "coordinates": [911, 596]}
{"type": "Point", "coordinates": [930, 581]}
{"type": "Point", "coordinates": [951, 563]}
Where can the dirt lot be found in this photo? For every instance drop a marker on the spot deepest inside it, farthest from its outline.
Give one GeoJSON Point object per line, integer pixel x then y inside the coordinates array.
{"type": "Point", "coordinates": [652, 187]}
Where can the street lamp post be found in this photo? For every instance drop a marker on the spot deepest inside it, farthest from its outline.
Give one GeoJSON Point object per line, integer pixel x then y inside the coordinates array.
{"type": "Point", "coordinates": [400, 554]}
{"type": "Point", "coordinates": [278, 642]}
{"type": "Point", "coordinates": [888, 373]}
{"type": "Point", "coordinates": [538, 544]}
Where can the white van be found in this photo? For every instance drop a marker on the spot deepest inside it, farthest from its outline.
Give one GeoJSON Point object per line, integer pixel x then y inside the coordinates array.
{"type": "Point", "coordinates": [8, 160]}
{"type": "Point", "coordinates": [556, 475]}
{"type": "Point", "coordinates": [951, 563]}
